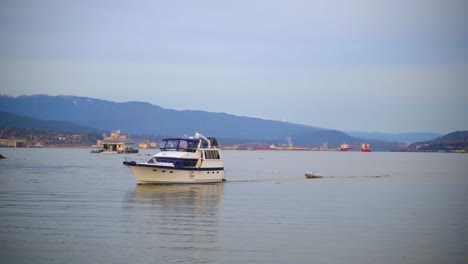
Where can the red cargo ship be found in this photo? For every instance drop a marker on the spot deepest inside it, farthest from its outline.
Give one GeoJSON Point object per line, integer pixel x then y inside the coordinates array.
{"type": "Point", "coordinates": [365, 147]}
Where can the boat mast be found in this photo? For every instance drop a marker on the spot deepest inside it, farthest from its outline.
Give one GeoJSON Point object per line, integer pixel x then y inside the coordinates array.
{"type": "Point", "coordinates": [198, 136]}
{"type": "Point", "coordinates": [290, 144]}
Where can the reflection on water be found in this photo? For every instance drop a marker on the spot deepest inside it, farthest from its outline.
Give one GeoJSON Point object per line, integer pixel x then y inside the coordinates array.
{"type": "Point", "coordinates": [200, 196]}
{"type": "Point", "coordinates": [69, 206]}
{"type": "Point", "coordinates": [183, 220]}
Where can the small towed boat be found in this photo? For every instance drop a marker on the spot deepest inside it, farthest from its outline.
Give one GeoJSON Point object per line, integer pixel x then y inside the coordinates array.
{"type": "Point", "coordinates": [313, 174]}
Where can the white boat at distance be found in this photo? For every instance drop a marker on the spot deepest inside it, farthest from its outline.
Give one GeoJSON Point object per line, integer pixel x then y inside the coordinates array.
{"type": "Point", "coordinates": [313, 174]}
{"type": "Point", "coordinates": [181, 160]}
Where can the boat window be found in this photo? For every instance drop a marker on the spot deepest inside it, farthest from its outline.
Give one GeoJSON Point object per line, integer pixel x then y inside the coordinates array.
{"type": "Point", "coordinates": [178, 162]}
{"type": "Point", "coordinates": [183, 145]}
{"type": "Point", "coordinates": [212, 154]}
{"type": "Point", "coordinates": [170, 144]}
{"type": "Point", "coordinates": [178, 144]}
{"type": "Point", "coordinates": [192, 145]}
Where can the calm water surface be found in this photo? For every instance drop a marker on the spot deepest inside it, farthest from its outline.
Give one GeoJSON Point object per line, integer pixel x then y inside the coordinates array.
{"type": "Point", "coordinates": [70, 206]}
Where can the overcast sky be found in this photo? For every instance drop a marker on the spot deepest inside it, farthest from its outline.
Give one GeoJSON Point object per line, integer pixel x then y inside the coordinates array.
{"type": "Point", "coordinates": [363, 65]}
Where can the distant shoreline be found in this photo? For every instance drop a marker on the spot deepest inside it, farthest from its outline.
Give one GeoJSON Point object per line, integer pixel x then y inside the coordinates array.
{"type": "Point", "coordinates": [50, 146]}
{"type": "Point", "coordinates": [90, 147]}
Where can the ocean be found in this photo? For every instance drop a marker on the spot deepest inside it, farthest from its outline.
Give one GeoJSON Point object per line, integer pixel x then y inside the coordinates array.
{"type": "Point", "coordinates": [70, 206]}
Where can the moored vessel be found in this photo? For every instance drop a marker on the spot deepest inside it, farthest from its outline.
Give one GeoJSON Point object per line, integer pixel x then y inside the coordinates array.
{"type": "Point", "coordinates": [114, 144]}
{"type": "Point", "coordinates": [365, 147]}
{"type": "Point", "coordinates": [181, 160]}
{"type": "Point", "coordinates": [345, 147]}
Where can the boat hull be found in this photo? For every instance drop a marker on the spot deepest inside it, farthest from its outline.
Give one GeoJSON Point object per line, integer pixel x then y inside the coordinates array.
{"type": "Point", "coordinates": [312, 175]}
{"type": "Point", "coordinates": [145, 174]}
{"type": "Point", "coordinates": [365, 147]}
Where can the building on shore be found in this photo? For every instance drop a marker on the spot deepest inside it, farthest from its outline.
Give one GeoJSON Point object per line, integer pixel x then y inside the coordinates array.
{"type": "Point", "coordinates": [114, 144]}
{"type": "Point", "coordinates": [148, 145]}
{"type": "Point", "coordinates": [13, 143]}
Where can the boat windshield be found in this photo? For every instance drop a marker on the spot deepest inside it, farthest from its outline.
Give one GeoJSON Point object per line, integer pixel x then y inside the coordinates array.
{"type": "Point", "coordinates": [179, 144]}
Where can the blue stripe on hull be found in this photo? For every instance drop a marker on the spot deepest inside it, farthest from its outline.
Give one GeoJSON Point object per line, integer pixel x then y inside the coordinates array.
{"type": "Point", "coordinates": [177, 183]}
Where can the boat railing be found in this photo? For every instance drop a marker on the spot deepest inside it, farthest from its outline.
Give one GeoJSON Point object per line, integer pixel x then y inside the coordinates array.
{"type": "Point", "coordinates": [193, 150]}
{"type": "Point", "coordinates": [138, 160]}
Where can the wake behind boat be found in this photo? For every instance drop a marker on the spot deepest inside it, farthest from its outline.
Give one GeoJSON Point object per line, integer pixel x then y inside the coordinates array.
{"type": "Point", "coordinates": [181, 160]}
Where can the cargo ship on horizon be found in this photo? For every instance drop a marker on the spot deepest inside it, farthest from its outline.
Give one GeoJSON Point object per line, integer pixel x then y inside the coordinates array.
{"type": "Point", "coordinates": [345, 147]}
{"type": "Point", "coordinates": [365, 147]}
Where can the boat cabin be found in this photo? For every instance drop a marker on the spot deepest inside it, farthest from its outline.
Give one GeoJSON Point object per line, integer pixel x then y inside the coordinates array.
{"type": "Point", "coordinates": [190, 145]}
{"type": "Point", "coordinates": [179, 144]}
{"type": "Point", "coordinates": [186, 144]}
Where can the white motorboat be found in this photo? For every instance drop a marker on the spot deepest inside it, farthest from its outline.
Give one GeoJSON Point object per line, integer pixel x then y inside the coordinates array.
{"type": "Point", "coordinates": [181, 160]}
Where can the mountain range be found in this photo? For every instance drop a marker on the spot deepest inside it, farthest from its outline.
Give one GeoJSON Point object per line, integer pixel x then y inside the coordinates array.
{"type": "Point", "coordinates": [19, 121]}
{"type": "Point", "coordinates": [90, 114]}
{"type": "Point", "coordinates": [397, 137]}
{"type": "Point", "coordinates": [456, 141]}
